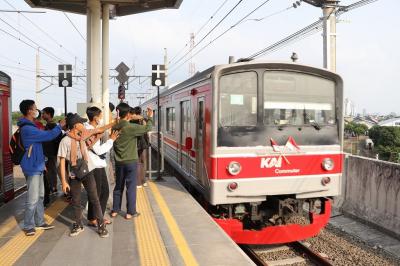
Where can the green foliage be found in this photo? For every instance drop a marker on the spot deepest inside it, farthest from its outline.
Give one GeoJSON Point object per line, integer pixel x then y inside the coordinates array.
{"type": "Point", "coordinates": [387, 142]}
{"type": "Point", "coordinates": [356, 129]}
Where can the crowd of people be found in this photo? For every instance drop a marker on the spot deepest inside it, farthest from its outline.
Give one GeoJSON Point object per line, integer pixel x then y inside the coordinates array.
{"type": "Point", "coordinates": [77, 151]}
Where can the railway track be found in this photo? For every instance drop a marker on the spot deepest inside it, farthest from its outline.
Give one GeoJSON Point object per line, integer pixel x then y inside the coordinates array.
{"type": "Point", "coordinates": [301, 254]}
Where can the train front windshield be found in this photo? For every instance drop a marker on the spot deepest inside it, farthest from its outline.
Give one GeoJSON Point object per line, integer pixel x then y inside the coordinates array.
{"type": "Point", "coordinates": [283, 104]}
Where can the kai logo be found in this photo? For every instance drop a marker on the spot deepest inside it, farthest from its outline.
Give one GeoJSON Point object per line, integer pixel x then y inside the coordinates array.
{"type": "Point", "coordinates": [271, 162]}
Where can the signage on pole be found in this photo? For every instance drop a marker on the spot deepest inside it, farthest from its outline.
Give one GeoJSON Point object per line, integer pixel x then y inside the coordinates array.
{"type": "Point", "coordinates": [65, 76]}
{"type": "Point", "coordinates": [158, 75]}
{"type": "Point", "coordinates": [122, 69]}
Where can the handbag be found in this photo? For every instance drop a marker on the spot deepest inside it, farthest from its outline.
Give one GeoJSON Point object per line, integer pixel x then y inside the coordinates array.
{"type": "Point", "coordinates": [81, 169]}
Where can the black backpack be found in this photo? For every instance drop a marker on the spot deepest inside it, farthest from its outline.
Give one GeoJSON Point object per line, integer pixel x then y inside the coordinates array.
{"type": "Point", "coordinates": [17, 150]}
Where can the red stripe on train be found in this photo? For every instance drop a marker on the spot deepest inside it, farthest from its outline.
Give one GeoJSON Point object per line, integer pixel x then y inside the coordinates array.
{"type": "Point", "coordinates": [272, 166]}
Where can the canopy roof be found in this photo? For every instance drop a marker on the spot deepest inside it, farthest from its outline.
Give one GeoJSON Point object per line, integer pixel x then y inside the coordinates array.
{"type": "Point", "coordinates": [121, 7]}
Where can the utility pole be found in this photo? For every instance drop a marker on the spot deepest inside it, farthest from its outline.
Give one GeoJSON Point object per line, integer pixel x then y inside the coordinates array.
{"type": "Point", "coordinates": [166, 66]}
{"type": "Point", "coordinates": [192, 67]}
{"type": "Point", "coordinates": [329, 30]}
{"type": "Point", "coordinates": [37, 89]}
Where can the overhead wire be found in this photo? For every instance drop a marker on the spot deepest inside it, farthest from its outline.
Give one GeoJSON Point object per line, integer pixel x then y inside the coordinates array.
{"type": "Point", "coordinates": [46, 33]}
{"type": "Point", "coordinates": [308, 30]}
{"type": "Point", "coordinates": [199, 30]}
{"type": "Point", "coordinates": [74, 26]}
{"type": "Point", "coordinates": [222, 34]}
{"type": "Point", "coordinates": [209, 32]}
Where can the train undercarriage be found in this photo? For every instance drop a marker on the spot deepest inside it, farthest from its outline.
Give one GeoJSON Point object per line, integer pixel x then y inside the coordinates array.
{"type": "Point", "coordinates": [277, 220]}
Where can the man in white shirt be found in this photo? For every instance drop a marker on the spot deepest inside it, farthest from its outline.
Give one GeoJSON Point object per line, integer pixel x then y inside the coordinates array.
{"type": "Point", "coordinates": [97, 161]}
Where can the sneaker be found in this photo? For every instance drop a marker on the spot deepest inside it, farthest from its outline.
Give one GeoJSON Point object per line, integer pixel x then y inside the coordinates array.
{"type": "Point", "coordinates": [76, 229]}
{"type": "Point", "coordinates": [45, 226]}
{"type": "Point", "coordinates": [145, 184]}
{"type": "Point", "coordinates": [103, 232]}
{"type": "Point", "coordinates": [30, 232]}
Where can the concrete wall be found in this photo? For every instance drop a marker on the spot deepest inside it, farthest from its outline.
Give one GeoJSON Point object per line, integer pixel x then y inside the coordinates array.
{"type": "Point", "coordinates": [372, 192]}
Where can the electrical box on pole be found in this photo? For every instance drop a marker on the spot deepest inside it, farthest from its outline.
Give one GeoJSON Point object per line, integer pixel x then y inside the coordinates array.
{"type": "Point", "coordinates": [121, 92]}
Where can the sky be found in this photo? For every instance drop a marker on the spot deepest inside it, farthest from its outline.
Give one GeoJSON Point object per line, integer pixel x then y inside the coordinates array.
{"type": "Point", "coordinates": [367, 46]}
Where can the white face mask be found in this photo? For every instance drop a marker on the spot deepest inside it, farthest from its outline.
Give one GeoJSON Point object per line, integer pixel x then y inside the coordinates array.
{"type": "Point", "coordinates": [36, 114]}
{"type": "Point", "coordinates": [101, 121]}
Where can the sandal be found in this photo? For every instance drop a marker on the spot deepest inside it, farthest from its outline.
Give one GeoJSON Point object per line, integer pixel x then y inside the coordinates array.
{"type": "Point", "coordinates": [113, 214]}
{"type": "Point", "coordinates": [106, 221]}
{"type": "Point", "coordinates": [128, 216]}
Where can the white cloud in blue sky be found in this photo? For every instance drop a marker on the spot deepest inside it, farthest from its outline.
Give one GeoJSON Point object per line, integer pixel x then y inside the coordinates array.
{"type": "Point", "coordinates": [367, 43]}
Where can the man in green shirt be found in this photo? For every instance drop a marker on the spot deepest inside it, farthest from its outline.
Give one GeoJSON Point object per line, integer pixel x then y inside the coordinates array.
{"type": "Point", "coordinates": [126, 157]}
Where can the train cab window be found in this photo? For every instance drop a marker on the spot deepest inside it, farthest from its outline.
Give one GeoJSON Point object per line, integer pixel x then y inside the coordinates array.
{"type": "Point", "coordinates": [238, 99]}
{"type": "Point", "coordinates": [170, 124]}
{"type": "Point", "coordinates": [298, 99]}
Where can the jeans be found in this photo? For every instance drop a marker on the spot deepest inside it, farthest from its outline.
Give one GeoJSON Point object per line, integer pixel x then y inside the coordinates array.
{"type": "Point", "coordinates": [34, 210]}
{"type": "Point", "coordinates": [90, 186]}
{"type": "Point", "coordinates": [100, 177]}
{"type": "Point", "coordinates": [125, 175]}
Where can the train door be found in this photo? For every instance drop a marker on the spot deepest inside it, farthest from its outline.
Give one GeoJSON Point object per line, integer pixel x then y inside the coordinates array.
{"type": "Point", "coordinates": [200, 139]}
{"type": "Point", "coordinates": [185, 136]}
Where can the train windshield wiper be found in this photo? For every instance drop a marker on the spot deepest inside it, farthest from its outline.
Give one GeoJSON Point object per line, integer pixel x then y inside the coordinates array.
{"type": "Point", "coordinates": [316, 125]}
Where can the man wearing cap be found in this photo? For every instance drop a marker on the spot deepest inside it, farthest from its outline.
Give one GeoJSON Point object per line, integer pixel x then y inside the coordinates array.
{"type": "Point", "coordinates": [73, 149]}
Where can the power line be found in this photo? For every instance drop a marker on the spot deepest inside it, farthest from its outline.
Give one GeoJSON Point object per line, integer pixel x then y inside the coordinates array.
{"type": "Point", "coordinates": [49, 54]}
{"type": "Point", "coordinates": [45, 33]}
{"type": "Point", "coordinates": [74, 26]}
{"type": "Point", "coordinates": [223, 33]}
{"type": "Point", "coordinates": [199, 30]}
{"type": "Point", "coordinates": [209, 32]}
{"type": "Point", "coordinates": [312, 28]}
{"type": "Point", "coordinates": [18, 68]}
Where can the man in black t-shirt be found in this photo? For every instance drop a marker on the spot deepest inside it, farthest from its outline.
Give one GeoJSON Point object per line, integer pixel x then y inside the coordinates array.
{"type": "Point", "coordinates": [50, 151]}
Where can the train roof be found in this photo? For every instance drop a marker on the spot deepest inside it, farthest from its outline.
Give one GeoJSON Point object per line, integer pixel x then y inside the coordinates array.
{"type": "Point", "coordinates": [206, 74]}
{"type": "Point", "coordinates": [5, 79]}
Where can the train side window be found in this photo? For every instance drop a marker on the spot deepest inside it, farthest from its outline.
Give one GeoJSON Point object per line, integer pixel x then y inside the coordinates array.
{"type": "Point", "coordinates": [170, 124]}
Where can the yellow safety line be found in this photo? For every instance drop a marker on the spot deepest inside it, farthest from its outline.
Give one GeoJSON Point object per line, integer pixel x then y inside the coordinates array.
{"type": "Point", "coordinates": [7, 226]}
{"type": "Point", "coordinates": [12, 250]}
{"type": "Point", "coordinates": [179, 239]}
{"type": "Point", "coordinates": [151, 247]}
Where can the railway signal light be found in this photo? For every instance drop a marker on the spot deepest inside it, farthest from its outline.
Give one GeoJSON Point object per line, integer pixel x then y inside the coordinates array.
{"type": "Point", "coordinates": [121, 92]}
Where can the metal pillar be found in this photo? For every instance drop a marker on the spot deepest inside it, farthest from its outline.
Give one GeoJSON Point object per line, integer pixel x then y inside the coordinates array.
{"type": "Point", "coordinates": [88, 69]}
{"type": "Point", "coordinates": [105, 60]}
{"type": "Point", "coordinates": [93, 68]}
{"type": "Point", "coordinates": [329, 35]}
{"type": "Point", "coordinates": [37, 78]}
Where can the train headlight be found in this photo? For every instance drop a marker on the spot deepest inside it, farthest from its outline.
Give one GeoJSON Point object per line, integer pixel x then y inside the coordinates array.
{"type": "Point", "coordinates": [234, 168]}
{"type": "Point", "coordinates": [328, 164]}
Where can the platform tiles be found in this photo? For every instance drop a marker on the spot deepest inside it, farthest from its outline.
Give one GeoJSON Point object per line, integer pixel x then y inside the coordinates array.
{"type": "Point", "coordinates": [172, 229]}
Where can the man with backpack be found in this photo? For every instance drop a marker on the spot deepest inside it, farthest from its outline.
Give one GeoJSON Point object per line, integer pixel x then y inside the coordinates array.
{"type": "Point", "coordinates": [33, 164]}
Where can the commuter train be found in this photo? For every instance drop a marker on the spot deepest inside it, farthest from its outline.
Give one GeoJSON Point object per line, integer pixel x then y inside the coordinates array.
{"type": "Point", "coordinates": [6, 166]}
{"type": "Point", "coordinates": [261, 142]}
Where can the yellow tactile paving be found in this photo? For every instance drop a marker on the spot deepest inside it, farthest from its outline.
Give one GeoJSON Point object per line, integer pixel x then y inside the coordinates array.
{"type": "Point", "coordinates": [176, 233]}
{"type": "Point", "coordinates": [7, 226]}
{"type": "Point", "coordinates": [12, 250]}
{"type": "Point", "coordinates": [150, 244]}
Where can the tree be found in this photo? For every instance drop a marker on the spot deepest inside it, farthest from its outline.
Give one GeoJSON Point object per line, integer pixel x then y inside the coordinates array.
{"type": "Point", "coordinates": [387, 142]}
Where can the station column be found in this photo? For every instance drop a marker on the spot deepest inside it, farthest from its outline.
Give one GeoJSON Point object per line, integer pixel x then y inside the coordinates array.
{"type": "Point", "coordinates": [94, 93]}
{"type": "Point", "coordinates": [105, 60]}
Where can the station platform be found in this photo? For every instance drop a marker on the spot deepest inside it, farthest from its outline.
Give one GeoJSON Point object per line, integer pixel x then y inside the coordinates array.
{"type": "Point", "coordinates": [172, 229]}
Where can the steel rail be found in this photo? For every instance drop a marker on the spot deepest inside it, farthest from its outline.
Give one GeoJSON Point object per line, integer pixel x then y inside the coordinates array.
{"type": "Point", "coordinates": [315, 257]}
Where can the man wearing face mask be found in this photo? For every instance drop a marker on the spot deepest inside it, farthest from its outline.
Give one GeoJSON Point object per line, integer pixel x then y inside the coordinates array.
{"type": "Point", "coordinates": [33, 165]}
{"type": "Point", "coordinates": [97, 160]}
{"type": "Point", "coordinates": [73, 149]}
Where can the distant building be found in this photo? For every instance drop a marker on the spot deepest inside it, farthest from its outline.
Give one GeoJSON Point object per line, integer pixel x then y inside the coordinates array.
{"type": "Point", "coordinates": [365, 121]}
{"type": "Point", "coordinates": [393, 122]}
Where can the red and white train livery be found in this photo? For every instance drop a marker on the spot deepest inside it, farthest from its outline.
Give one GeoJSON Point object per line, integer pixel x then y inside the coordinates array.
{"type": "Point", "coordinates": [260, 141]}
